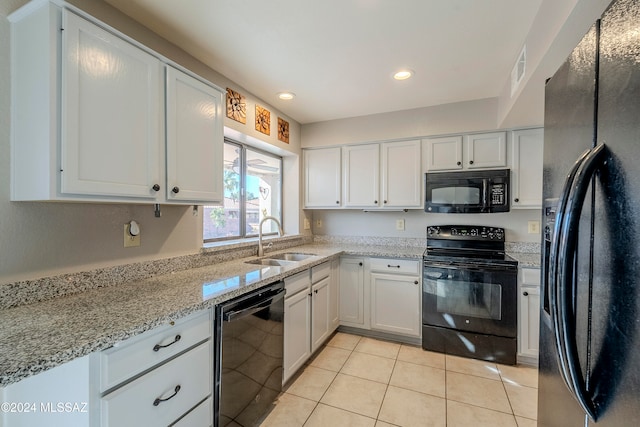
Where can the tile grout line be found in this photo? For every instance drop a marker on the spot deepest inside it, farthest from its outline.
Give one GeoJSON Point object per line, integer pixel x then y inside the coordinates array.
{"type": "Point", "coordinates": [332, 381]}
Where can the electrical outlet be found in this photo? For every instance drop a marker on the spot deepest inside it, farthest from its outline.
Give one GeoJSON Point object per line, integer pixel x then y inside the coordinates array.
{"type": "Point", "coordinates": [534, 227]}
{"type": "Point", "coordinates": [129, 240]}
{"type": "Point", "coordinates": [400, 224]}
{"type": "Point", "coordinates": [307, 224]}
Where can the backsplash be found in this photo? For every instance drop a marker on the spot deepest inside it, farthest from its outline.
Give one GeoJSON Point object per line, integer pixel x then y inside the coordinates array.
{"type": "Point", "coordinates": [42, 289]}
{"type": "Point", "coordinates": [523, 247]}
{"type": "Point", "coordinates": [405, 242]}
{"type": "Point", "coordinates": [30, 291]}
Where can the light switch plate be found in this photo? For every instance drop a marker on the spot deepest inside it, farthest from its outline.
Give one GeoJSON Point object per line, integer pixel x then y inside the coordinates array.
{"type": "Point", "coordinates": [307, 224]}
{"type": "Point", "coordinates": [534, 227]}
{"type": "Point", "coordinates": [129, 240]}
{"type": "Point", "coordinates": [400, 224]}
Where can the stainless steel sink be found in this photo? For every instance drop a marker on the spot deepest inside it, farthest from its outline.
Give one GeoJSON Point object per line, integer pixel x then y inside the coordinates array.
{"type": "Point", "coordinates": [270, 261]}
{"type": "Point", "coordinates": [287, 258]}
{"type": "Point", "coordinates": [291, 256]}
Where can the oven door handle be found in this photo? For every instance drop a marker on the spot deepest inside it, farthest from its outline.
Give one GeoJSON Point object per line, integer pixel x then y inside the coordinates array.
{"type": "Point", "coordinates": [568, 240]}
{"type": "Point", "coordinates": [470, 267]}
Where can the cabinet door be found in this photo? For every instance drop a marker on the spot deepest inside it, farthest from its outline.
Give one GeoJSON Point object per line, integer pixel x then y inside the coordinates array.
{"type": "Point", "coordinates": [111, 115]}
{"type": "Point", "coordinates": [322, 178]}
{"type": "Point", "coordinates": [319, 313]}
{"type": "Point", "coordinates": [395, 304]}
{"type": "Point", "coordinates": [334, 305]}
{"type": "Point", "coordinates": [526, 172]}
{"type": "Point", "coordinates": [442, 153]}
{"type": "Point", "coordinates": [297, 331]}
{"type": "Point", "coordinates": [529, 320]}
{"type": "Point", "coordinates": [486, 150]}
{"type": "Point", "coordinates": [401, 174]}
{"type": "Point", "coordinates": [361, 165]}
{"type": "Point", "coordinates": [194, 139]}
{"type": "Point", "coordinates": [69, 382]}
{"type": "Point", "coordinates": [352, 291]}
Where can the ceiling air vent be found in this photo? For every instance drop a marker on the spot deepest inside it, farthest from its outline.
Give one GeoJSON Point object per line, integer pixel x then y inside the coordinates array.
{"type": "Point", "coordinates": [517, 73]}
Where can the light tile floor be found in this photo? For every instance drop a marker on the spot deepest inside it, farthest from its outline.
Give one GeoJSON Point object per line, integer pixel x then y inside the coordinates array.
{"type": "Point", "coordinates": [359, 381]}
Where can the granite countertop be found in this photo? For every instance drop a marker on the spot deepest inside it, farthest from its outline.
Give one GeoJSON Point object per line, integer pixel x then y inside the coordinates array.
{"type": "Point", "coordinates": [526, 259]}
{"type": "Point", "coordinates": [41, 335]}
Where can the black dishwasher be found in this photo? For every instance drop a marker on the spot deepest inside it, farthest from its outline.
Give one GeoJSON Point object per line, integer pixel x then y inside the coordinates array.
{"type": "Point", "coordinates": [248, 356]}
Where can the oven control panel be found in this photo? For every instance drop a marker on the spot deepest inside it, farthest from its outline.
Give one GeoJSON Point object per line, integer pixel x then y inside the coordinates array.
{"type": "Point", "coordinates": [457, 232]}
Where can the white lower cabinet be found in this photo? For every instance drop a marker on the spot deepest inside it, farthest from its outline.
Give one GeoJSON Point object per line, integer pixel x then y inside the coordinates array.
{"type": "Point", "coordinates": [164, 394]}
{"type": "Point", "coordinates": [395, 296]}
{"type": "Point", "coordinates": [159, 377]}
{"type": "Point", "coordinates": [381, 295]}
{"type": "Point", "coordinates": [36, 398]}
{"type": "Point", "coordinates": [297, 323]}
{"type": "Point", "coordinates": [529, 315]}
{"type": "Point", "coordinates": [309, 314]}
{"type": "Point", "coordinates": [320, 301]}
{"type": "Point", "coordinates": [199, 416]}
{"type": "Point", "coordinates": [334, 295]}
{"type": "Point", "coordinates": [352, 289]}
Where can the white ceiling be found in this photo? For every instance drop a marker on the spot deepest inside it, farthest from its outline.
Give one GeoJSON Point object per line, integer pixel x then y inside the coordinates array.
{"type": "Point", "coordinates": [338, 56]}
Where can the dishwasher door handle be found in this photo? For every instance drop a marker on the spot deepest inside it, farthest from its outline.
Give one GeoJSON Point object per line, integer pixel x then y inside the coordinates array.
{"type": "Point", "coordinates": [230, 316]}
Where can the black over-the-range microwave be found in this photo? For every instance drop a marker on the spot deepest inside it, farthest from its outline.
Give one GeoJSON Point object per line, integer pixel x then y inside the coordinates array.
{"type": "Point", "coordinates": [482, 191]}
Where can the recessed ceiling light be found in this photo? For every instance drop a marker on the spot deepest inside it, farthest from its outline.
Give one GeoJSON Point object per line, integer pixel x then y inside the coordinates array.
{"type": "Point", "coordinates": [403, 74]}
{"type": "Point", "coordinates": [286, 95]}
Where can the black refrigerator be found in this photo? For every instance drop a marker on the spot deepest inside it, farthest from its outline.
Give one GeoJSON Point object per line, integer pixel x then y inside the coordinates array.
{"type": "Point", "coordinates": [590, 298]}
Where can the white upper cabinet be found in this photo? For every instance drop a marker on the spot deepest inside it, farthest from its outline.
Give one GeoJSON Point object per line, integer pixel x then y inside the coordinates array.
{"type": "Point", "coordinates": [322, 178]}
{"type": "Point", "coordinates": [526, 176]}
{"type": "Point", "coordinates": [486, 150]}
{"type": "Point", "coordinates": [194, 132]}
{"type": "Point", "coordinates": [385, 175]}
{"type": "Point", "coordinates": [361, 168]}
{"type": "Point", "coordinates": [442, 153]}
{"type": "Point", "coordinates": [111, 114]}
{"type": "Point", "coordinates": [476, 151]}
{"type": "Point", "coordinates": [99, 103]}
{"type": "Point", "coordinates": [401, 174]}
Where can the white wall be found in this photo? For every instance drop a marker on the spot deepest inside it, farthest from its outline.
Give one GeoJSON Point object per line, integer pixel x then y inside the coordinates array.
{"type": "Point", "coordinates": [469, 116]}
{"type": "Point", "coordinates": [41, 239]}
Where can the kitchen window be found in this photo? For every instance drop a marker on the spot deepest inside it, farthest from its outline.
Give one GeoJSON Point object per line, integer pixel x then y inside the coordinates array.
{"type": "Point", "coordinates": [252, 190]}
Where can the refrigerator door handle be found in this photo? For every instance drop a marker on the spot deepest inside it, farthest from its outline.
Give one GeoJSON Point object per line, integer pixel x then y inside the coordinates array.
{"type": "Point", "coordinates": [568, 241]}
{"type": "Point", "coordinates": [554, 254]}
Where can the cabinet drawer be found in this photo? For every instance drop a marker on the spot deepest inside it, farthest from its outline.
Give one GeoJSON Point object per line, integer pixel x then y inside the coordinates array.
{"type": "Point", "coordinates": [201, 416]}
{"type": "Point", "coordinates": [133, 404]}
{"type": "Point", "coordinates": [138, 354]}
{"type": "Point", "coordinates": [321, 271]}
{"type": "Point", "coordinates": [530, 276]}
{"type": "Point", "coordinates": [296, 283]}
{"type": "Point", "coordinates": [390, 265]}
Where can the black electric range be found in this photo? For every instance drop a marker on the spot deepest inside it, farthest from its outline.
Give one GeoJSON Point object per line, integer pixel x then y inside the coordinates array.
{"type": "Point", "coordinates": [469, 293]}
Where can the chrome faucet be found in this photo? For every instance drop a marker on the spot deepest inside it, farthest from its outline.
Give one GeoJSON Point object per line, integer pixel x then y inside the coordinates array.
{"type": "Point", "coordinates": [280, 232]}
